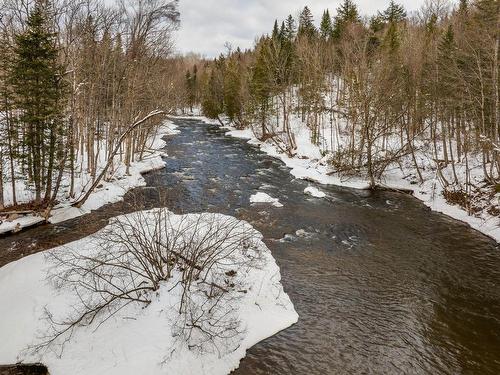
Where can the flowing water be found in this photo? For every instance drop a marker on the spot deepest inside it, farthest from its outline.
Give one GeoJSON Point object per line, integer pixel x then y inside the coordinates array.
{"type": "Point", "coordinates": [382, 284]}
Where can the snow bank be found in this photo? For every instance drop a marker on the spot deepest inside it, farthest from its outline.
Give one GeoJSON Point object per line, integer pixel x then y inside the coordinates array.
{"type": "Point", "coordinates": [137, 339]}
{"type": "Point", "coordinates": [311, 190]}
{"type": "Point", "coordinates": [107, 192]}
{"type": "Point", "coordinates": [265, 198]}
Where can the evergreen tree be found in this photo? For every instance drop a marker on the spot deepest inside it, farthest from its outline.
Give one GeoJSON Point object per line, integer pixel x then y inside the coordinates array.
{"type": "Point", "coordinates": [283, 31]}
{"type": "Point", "coordinates": [232, 89]}
{"type": "Point", "coordinates": [431, 25]}
{"type": "Point", "coordinates": [260, 85]}
{"type": "Point", "coordinates": [276, 30]}
{"type": "Point", "coordinates": [326, 27]}
{"type": "Point", "coordinates": [192, 87]}
{"type": "Point", "coordinates": [391, 39]}
{"type": "Point", "coordinates": [36, 77]}
{"type": "Point", "coordinates": [290, 28]}
{"type": "Point", "coordinates": [447, 61]}
{"type": "Point", "coordinates": [306, 24]}
{"type": "Point", "coordinates": [394, 13]}
{"type": "Point", "coordinates": [376, 24]}
{"type": "Point", "coordinates": [347, 13]}
{"type": "Point", "coordinates": [376, 27]}
{"type": "Point", "coordinates": [213, 99]}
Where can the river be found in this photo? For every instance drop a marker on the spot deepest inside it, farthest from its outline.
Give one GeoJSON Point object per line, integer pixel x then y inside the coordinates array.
{"type": "Point", "coordinates": [382, 284]}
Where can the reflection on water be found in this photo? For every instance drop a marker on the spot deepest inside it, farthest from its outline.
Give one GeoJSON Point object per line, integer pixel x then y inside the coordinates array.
{"type": "Point", "coordinates": [382, 285]}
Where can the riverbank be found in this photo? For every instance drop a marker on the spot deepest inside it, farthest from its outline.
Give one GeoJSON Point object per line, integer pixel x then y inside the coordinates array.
{"type": "Point", "coordinates": [109, 191]}
{"type": "Point", "coordinates": [309, 164]}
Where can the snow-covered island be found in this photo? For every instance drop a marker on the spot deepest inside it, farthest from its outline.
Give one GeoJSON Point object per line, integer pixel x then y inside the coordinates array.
{"type": "Point", "coordinates": [194, 295]}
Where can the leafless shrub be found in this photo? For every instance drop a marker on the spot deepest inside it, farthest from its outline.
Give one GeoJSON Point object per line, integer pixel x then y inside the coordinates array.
{"type": "Point", "coordinates": [213, 268]}
{"type": "Point", "coordinates": [202, 259]}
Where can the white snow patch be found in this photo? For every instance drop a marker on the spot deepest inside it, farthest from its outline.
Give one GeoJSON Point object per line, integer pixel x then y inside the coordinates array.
{"type": "Point", "coordinates": [315, 192]}
{"type": "Point", "coordinates": [265, 198]}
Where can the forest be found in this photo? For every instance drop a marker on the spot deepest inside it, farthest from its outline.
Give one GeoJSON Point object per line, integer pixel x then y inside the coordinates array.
{"type": "Point", "coordinates": [84, 86]}
{"type": "Point", "coordinates": [396, 99]}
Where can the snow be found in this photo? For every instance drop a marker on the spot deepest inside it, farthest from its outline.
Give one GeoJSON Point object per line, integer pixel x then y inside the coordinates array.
{"type": "Point", "coordinates": [107, 192]}
{"type": "Point", "coordinates": [315, 192]}
{"type": "Point", "coordinates": [309, 164]}
{"type": "Point", "coordinates": [137, 339]}
{"type": "Point", "coordinates": [265, 198]}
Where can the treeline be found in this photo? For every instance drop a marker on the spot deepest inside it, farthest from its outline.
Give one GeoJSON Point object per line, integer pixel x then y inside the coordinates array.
{"type": "Point", "coordinates": [373, 90]}
{"type": "Point", "coordinates": [74, 77]}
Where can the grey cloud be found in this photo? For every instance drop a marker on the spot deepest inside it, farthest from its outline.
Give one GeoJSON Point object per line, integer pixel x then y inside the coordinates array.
{"type": "Point", "coordinates": [207, 25]}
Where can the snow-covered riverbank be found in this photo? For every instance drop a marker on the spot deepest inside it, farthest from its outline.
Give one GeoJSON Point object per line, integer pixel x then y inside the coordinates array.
{"type": "Point", "coordinates": [140, 339]}
{"type": "Point", "coordinates": [309, 164]}
{"type": "Point", "coordinates": [110, 191]}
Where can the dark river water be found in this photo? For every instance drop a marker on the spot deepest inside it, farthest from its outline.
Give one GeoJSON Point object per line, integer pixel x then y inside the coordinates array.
{"type": "Point", "coordinates": [382, 284]}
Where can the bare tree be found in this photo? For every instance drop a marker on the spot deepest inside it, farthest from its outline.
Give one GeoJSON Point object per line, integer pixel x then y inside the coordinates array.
{"type": "Point", "coordinates": [202, 259]}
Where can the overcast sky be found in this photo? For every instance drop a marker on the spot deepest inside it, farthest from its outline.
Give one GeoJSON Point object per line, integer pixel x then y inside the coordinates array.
{"type": "Point", "coordinates": [207, 24]}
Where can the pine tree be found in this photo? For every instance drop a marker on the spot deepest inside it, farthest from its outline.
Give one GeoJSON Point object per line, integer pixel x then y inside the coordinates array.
{"type": "Point", "coordinates": [447, 62]}
{"type": "Point", "coordinates": [376, 27]}
{"type": "Point", "coordinates": [276, 30]}
{"type": "Point", "coordinates": [326, 27]}
{"type": "Point", "coordinates": [306, 24]}
{"type": "Point", "coordinates": [391, 39]}
{"type": "Point", "coordinates": [192, 87]}
{"type": "Point", "coordinates": [232, 89]}
{"type": "Point", "coordinates": [290, 28]}
{"type": "Point", "coordinates": [213, 98]}
{"type": "Point", "coordinates": [36, 77]}
{"type": "Point", "coordinates": [260, 85]}
{"type": "Point", "coordinates": [283, 31]}
{"type": "Point", "coordinates": [394, 13]}
{"type": "Point", "coordinates": [347, 13]}
{"type": "Point", "coordinates": [9, 132]}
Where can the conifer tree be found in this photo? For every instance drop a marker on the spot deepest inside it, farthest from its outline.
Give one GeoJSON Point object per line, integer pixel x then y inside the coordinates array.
{"type": "Point", "coordinates": [290, 28]}
{"type": "Point", "coordinates": [283, 31]}
{"type": "Point", "coordinates": [192, 86]}
{"type": "Point", "coordinates": [306, 23]}
{"type": "Point", "coordinates": [326, 27]}
{"type": "Point", "coordinates": [260, 85]}
{"type": "Point", "coordinates": [232, 90]}
{"type": "Point", "coordinates": [213, 98]}
{"type": "Point", "coordinates": [394, 13]}
{"type": "Point", "coordinates": [446, 61]}
{"type": "Point", "coordinates": [276, 30]}
{"type": "Point", "coordinates": [36, 77]}
{"type": "Point", "coordinates": [377, 25]}
{"type": "Point", "coordinates": [347, 13]}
